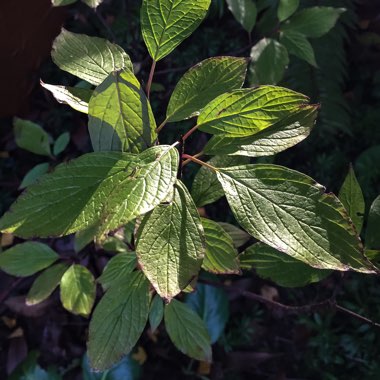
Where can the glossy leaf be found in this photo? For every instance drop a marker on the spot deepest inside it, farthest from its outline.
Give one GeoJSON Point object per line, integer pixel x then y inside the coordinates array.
{"type": "Point", "coordinates": [206, 187]}
{"type": "Point", "coordinates": [211, 304]}
{"type": "Point", "coordinates": [27, 258]}
{"type": "Point", "coordinates": [282, 269]}
{"type": "Point", "coordinates": [76, 98]}
{"type": "Point", "coordinates": [248, 111]}
{"type": "Point", "coordinates": [61, 143]}
{"type": "Point", "coordinates": [170, 244]}
{"type": "Point", "coordinates": [109, 188]}
{"type": "Point", "coordinates": [298, 45]}
{"type": "Point", "coordinates": [221, 255]}
{"type": "Point", "coordinates": [45, 284]}
{"type": "Point", "coordinates": [187, 331]}
{"type": "Point", "coordinates": [33, 175]}
{"type": "Point", "coordinates": [117, 270]}
{"type": "Point", "coordinates": [276, 138]}
{"type": "Point", "coordinates": [78, 290]}
{"type": "Point", "coordinates": [31, 137]}
{"type": "Point", "coordinates": [351, 196]}
{"type": "Point", "coordinates": [269, 60]}
{"type": "Point", "coordinates": [203, 83]}
{"type": "Point", "coordinates": [118, 321]}
{"type": "Point", "coordinates": [238, 236]}
{"type": "Point", "coordinates": [245, 12]}
{"type": "Point", "coordinates": [286, 8]}
{"type": "Point", "coordinates": [372, 237]}
{"type": "Point", "coordinates": [314, 22]}
{"type": "Point", "coordinates": [120, 116]}
{"type": "Point", "coordinates": [156, 312]}
{"type": "Point", "coordinates": [290, 212]}
{"type": "Point", "coordinates": [166, 23]}
{"type": "Point", "coordinates": [89, 58]}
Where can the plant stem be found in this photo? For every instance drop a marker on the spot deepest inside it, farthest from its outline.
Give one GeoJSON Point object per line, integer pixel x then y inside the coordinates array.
{"type": "Point", "coordinates": [194, 159]}
{"type": "Point", "coordinates": [150, 80]}
{"type": "Point", "coordinates": [162, 125]}
{"type": "Point", "coordinates": [195, 155]}
{"type": "Point", "coordinates": [192, 130]}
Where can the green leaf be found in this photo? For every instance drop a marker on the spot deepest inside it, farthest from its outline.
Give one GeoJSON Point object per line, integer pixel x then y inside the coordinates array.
{"type": "Point", "coordinates": [166, 23]}
{"type": "Point", "coordinates": [85, 237]}
{"type": "Point", "coordinates": [187, 331]}
{"type": "Point", "coordinates": [352, 198]}
{"type": "Point", "coordinates": [120, 116]}
{"type": "Point", "coordinates": [118, 321]}
{"type": "Point", "coordinates": [298, 45]}
{"type": "Point", "coordinates": [60, 3]}
{"type": "Point", "coordinates": [117, 270]}
{"type": "Point", "coordinates": [61, 143]}
{"type": "Point", "coordinates": [269, 60]}
{"type": "Point", "coordinates": [92, 3]}
{"type": "Point", "coordinates": [114, 244]}
{"type": "Point", "coordinates": [156, 312]}
{"type": "Point", "coordinates": [45, 284]}
{"type": "Point", "coordinates": [170, 244]}
{"type": "Point", "coordinates": [221, 255]}
{"type": "Point", "coordinates": [286, 8]}
{"type": "Point", "coordinates": [276, 138]}
{"type": "Point", "coordinates": [107, 188]}
{"type": "Point", "coordinates": [78, 290]}
{"type": "Point", "coordinates": [289, 211]}
{"type": "Point", "coordinates": [203, 83]}
{"type": "Point", "coordinates": [245, 12]}
{"type": "Point", "coordinates": [282, 269]}
{"type": "Point", "coordinates": [31, 137]}
{"type": "Point", "coordinates": [238, 236]}
{"type": "Point", "coordinates": [77, 98]}
{"type": "Point", "coordinates": [372, 237]}
{"type": "Point", "coordinates": [89, 58]}
{"type": "Point", "coordinates": [27, 258]}
{"type": "Point", "coordinates": [33, 175]}
{"type": "Point", "coordinates": [248, 111]}
{"type": "Point", "coordinates": [314, 22]}
{"type": "Point", "coordinates": [206, 187]}
{"type": "Point", "coordinates": [211, 304]}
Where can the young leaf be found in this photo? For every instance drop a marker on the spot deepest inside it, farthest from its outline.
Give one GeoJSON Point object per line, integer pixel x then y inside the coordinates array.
{"type": "Point", "coordinates": [314, 22]}
{"type": "Point", "coordinates": [221, 255]}
{"type": "Point", "coordinates": [166, 23]}
{"type": "Point", "coordinates": [170, 244]}
{"type": "Point", "coordinates": [211, 304]}
{"type": "Point", "coordinates": [118, 321]}
{"type": "Point", "coordinates": [89, 58]}
{"type": "Point", "coordinates": [61, 143]}
{"type": "Point", "coordinates": [203, 83]}
{"type": "Point", "coordinates": [61, 3]}
{"type": "Point", "coordinates": [247, 111]}
{"type": "Point", "coordinates": [107, 188]}
{"type": "Point", "coordinates": [92, 3]}
{"type": "Point", "coordinates": [298, 45]}
{"type": "Point", "coordinates": [245, 12]}
{"type": "Point", "coordinates": [372, 237]}
{"type": "Point", "coordinates": [238, 236]}
{"type": "Point", "coordinates": [78, 290]}
{"type": "Point", "coordinates": [289, 211]}
{"type": "Point", "coordinates": [27, 258]}
{"type": "Point", "coordinates": [76, 98]}
{"type": "Point", "coordinates": [206, 187]}
{"type": "Point", "coordinates": [282, 269]}
{"type": "Point", "coordinates": [269, 60]}
{"type": "Point", "coordinates": [32, 176]}
{"type": "Point", "coordinates": [274, 139]}
{"type": "Point", "coordinates": [117, 269]}
{"type": "Point", "coordinates": [187, 331]}
{"type": "Point", "coordinates": [156, 312]}
{"type": "Point", "coordinates": [286, 8]}
{"type": "Point", "coordinates": [31, 137]}
{"type": "Point", "coordinates": [352, 198]}
{"type": "Point", "coordinates": [45, 284]}
{"type": "Point", "coordinates": [120, 116]}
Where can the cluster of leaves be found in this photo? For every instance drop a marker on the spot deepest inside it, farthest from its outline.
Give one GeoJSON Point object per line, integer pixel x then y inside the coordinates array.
{"type": "Point", "coordinates": [130, 185]}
